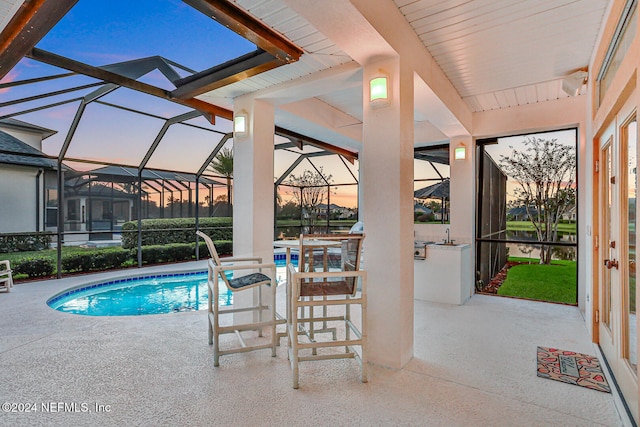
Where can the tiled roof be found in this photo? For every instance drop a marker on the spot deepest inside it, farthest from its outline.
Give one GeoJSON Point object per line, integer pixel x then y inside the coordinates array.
{"type": "Point", "coordinates": [14, 123]}
{"type": "Point", "coordinates": [15, 152]}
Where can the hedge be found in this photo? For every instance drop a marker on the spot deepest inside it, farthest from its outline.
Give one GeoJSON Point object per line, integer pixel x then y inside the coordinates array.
{"type": "Point", "coordinates": [95, 260]}
{"type": "Point", "coordinates": [22, 242]}
{"type": "Point", "coordinates": [113, 258]}
{"type": "Point", "coordinates": [175, 230]}
{"type": "Point", "coordinates": [34, 267]}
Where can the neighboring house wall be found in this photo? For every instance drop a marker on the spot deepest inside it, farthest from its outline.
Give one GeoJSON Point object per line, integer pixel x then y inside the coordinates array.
{"type": "Point", "coordinates": [18, 199]}
{"type": "Point", "coordinates": [34, 139]}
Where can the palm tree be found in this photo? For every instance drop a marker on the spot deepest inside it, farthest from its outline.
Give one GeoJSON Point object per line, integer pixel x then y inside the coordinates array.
{"type": "Point", "coordinates": [223, 164]}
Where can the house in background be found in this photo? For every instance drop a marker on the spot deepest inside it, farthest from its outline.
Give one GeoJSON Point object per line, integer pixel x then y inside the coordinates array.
{"type": "Point", "coordinates": [27, 179]}
{"type": "Point", "coordinates": [336, 211]}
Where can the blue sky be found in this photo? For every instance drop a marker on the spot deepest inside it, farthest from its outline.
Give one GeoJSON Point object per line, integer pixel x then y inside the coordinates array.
{"type": "Point", "coordinates": [100, 32]}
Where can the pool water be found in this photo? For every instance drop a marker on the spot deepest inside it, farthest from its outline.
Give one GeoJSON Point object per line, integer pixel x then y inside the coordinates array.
{"type": "Point", "coordinates": [140, 296]}
{"type": "Point", "coordinates": [135, 296]}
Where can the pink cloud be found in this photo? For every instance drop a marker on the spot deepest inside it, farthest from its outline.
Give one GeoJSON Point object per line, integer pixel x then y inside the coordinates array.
{"type": "Point", "coordinates": [10, 77]}
{"type": "Point", "coordinates": [63, 112]}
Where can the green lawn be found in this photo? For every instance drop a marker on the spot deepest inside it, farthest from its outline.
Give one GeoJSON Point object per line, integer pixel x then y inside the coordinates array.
{"type": "Point", "coordinates": [554, 283]}
{"type": "Point", "coordinates": [528, 226]}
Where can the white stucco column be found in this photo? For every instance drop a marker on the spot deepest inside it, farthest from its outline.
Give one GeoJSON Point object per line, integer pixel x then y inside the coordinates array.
{"type": "Point", "coordinates": [463, 199]}
{"type": "Point", "coordinates": [253, 189]}
{"type": "Point", "coordinates": [386, 166]}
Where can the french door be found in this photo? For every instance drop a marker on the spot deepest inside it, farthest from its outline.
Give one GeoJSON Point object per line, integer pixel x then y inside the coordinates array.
{"type": "Point", "coordinates": [616, 243]}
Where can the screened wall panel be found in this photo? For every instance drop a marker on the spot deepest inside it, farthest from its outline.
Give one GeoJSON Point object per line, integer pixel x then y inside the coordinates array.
{"type": "Point", "coordinates": [113, 135]}
{"type": "Point", "coordinates": [184, 148]}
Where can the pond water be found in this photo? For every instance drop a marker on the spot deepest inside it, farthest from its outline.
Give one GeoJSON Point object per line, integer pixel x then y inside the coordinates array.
{"type": "Point", "coordinates": [532, 250]}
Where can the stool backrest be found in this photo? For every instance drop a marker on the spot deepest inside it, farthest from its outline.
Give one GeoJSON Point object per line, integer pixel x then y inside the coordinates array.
{"type": "Point", "coordinates": [215, 259]}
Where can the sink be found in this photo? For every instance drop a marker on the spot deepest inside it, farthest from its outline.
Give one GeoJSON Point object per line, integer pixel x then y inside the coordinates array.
{"type": "Point", "coordinates": [447, 244]}
{"type": "Point", "coordinates": [423, 242]}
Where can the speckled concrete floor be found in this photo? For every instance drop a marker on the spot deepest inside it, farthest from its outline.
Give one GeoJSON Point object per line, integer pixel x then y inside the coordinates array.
{"type": "Point", "coordinates": [474, 365]}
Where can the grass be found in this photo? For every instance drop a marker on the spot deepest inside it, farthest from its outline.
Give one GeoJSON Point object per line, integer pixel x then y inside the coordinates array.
{"type": "Point", "coordinates": [554, 283]}
{"type": "Point", "coordinates": [528, 226]}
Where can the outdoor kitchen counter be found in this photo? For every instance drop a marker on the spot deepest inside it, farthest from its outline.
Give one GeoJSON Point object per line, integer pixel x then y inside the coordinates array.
{"type": "Point", "coordinates": [444, 275]}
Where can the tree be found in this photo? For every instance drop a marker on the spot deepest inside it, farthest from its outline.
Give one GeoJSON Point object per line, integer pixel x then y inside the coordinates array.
{"type": "Point", "coordinates": [290, 210]}
{"type": "Point", "coordinates": [545, 172]}
{"type": "Point", "coordinates": [310, 190]}
{"type": "Point", "coordinates": [223, 164]}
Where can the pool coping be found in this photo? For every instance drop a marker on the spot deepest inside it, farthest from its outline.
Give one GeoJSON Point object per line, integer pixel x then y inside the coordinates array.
{"type": "Point", "coordinates": [95, 284]}
{"type": "Point", "coordinates": [124, 278]}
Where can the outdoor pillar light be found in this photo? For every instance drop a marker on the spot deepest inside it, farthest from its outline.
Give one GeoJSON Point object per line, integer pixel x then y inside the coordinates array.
{"type": "Point", "coordinates": [241, 123]}
{"type": "Point", "coordinates": [379, 90]}
{"type": "Point", "coordinates": [460, 152]}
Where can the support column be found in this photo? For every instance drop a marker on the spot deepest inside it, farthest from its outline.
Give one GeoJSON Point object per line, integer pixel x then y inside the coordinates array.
{"type": "Point", "coordinates": [386, 168]}
{"type": "Point", "coordinates": [463, 203]}
{"type": "Point", "coordinates": [253, 215]}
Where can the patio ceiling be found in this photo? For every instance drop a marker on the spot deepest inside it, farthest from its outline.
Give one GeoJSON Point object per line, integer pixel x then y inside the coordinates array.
{"type": "Point", "coordinates": [505, 53]}
{"type": "Point", "coordinates": [496, 54]}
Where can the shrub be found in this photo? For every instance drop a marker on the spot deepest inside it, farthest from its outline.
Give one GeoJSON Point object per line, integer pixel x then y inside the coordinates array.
{"type": "Point", "coordinates": [22, 242]}
{"type": "Point", "coordinates": [95, 260]}
{"type": "Point", "coordinates": [34, 267]}
{"type": "Point", "coordinates": [152, 254]}
{"type": "Point", "coordinates": [426, 217]}
{"type": "Point", "coordinates": [174, 230]}
{"type": "Point", "coordinates": [169, 253]}
{"type": "Point", "coordinates": [224, 247]}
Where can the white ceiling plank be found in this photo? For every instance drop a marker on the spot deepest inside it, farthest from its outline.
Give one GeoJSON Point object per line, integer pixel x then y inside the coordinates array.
{"type": "Point", "coordinates": [511, 97]}
{"type": "Point", "coordinates": [503, 102]}
{"type": "Point", "coordinates": [424, 8]}
{"type": "Point", "coordinates": [472, 102]}
{"type": "Point", "coordinates": [532, 95]}
{"type": "Point", "coordinates": [310, 39]}
{"type": "Point", "coordinates": [542, 92]}
{"type": "Point", "coordinates": [469, 14]}
{"type": "Point", "coordinates": [521, 95]}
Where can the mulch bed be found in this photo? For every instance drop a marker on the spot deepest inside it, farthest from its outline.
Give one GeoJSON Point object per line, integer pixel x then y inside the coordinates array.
{"type": "Point", "coordinates": [497, 280]}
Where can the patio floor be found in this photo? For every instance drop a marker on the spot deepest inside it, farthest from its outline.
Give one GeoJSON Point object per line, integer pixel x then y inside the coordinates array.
{"type": "Point", "coordinates": [474, 365]}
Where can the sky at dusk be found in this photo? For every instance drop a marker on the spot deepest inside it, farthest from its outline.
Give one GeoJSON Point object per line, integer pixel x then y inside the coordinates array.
{"type": "Point", "coordinates": [101, 32]}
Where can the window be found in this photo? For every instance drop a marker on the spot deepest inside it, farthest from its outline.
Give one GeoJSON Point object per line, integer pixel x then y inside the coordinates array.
{"type": "Point", "coordinates": [622, 39]}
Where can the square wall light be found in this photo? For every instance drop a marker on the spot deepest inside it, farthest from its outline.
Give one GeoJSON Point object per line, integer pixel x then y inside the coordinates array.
{"type": "Point", "coordinates": [379, 90]}
{"type": "Point", "coordinates": [241, 123]}
{"type": "Point", "coordinates": [460, 152]}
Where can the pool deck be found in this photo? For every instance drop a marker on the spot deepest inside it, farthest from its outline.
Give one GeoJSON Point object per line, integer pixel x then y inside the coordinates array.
{"type": "Point", "coordinates": [473, 365]}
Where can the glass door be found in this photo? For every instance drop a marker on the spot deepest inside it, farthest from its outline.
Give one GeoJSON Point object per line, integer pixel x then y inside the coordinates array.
{"type": "Point", "coordinates": [616, 251]}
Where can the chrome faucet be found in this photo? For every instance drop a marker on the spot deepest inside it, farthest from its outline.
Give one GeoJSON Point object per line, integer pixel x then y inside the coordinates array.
{"type": "Point", "coordinates": [448, 237]}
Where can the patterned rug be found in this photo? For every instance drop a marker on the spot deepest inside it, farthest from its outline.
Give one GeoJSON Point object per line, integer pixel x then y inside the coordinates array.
{"type": "Point", "coordinates": [573, 368]}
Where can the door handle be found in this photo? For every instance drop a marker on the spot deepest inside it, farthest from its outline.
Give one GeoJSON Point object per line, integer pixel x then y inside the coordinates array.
{"type": "Point", "coordinates": [611, 264]}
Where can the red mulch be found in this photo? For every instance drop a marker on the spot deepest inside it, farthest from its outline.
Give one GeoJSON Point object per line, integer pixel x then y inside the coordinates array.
{"type": "Point", "coordinates": [497, 280]}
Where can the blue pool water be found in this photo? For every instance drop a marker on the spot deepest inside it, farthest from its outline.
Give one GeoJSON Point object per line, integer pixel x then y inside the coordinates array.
{"type": "Point", "coordinates": [135, 296]}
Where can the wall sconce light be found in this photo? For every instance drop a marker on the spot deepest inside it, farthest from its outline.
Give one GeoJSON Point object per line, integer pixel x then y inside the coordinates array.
{"type": "Point", "coordinates": [572, 84]}
{"type": "Point", "coordinates": [460, 152]}
{"type": "Point", "coordinates": [379, 90]}
{"type": "Point", "coordinates": [241, 123]}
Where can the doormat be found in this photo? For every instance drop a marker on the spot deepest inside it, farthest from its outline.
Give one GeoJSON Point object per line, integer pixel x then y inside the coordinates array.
{"type": "Point", "coordinates": [573, 368]}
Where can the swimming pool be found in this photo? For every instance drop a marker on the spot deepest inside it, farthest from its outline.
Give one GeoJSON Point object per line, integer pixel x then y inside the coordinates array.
{"type": "Point", "coordinates": [143, 295]}
{"type": "Point", "coordinates": [136, 296]}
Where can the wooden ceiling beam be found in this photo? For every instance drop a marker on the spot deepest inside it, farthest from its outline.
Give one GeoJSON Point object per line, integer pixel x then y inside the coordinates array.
{"type": "Point", "coordinates": [351, 156]}
{"type": "Point", "coordinates": [29, 25]}
{"type": "Point", "coordinates": [111, 77]}
{"type": "Point", "coordinates": [241, 22]}
{"type": "Point", "coordinates": [224, 74]}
